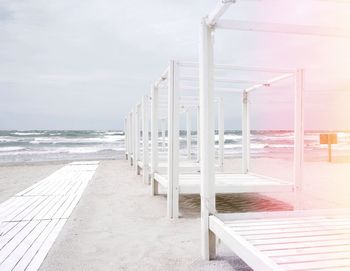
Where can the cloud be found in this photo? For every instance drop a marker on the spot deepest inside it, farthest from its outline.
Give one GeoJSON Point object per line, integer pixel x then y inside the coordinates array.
{"type": "Point", "coordinates": [83, 64]}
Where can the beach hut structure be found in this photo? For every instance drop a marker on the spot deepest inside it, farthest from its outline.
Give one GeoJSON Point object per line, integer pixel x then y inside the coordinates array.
{"type": "Point", "coordinates": [144, 155]}
{"type": "Point", "coordinates": [293, 240]}
{"type": "Point", "coordinates": [176, 182]}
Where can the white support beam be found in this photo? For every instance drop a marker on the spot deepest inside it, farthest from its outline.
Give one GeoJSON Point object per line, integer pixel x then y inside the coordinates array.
{"type": "Point", "coordinates": [207, 138]}
{"type": "Point", "coordinates": [162, 78]}
{"type": "Point", "coordinates": [145, 139]}
{"type": "Point", "coordinates": [154, 138]}
{"type": "Point", "coordinates": [198, 135]}
{"type": "Point", "coordinates": [245, 133]}
{"type": "Point", "coordinates": [222, 89]}
{"type": "Point", "coordinates": [126, 136]}
{"type": "Point", "coordinates": [240, 68]}
{"type": "Point", "coordinates": [268, 83]}
{"type": "Point", "coordinates": [298, 130]}
{"type": "Point", "coordinates": [163, 124]}
{"type": "Point", "coordinates": [173, 141]}
{"type": "Point", "coordinates": [221, 130]}
{"type": "Point", "coordinates": [134, 136]}
{"type": "Point", "coordinates": [130, 137]}
{"type": "Point", "coordinates": [309, 30]}
{"type": "Point", "coordinates": [137, 139]}
{"type": "Point", "coordinates": [188, 134]}
{"type": "Point", "coordinates": [219, 10]}
{"type": "Point", "coordinates": [222, 80]}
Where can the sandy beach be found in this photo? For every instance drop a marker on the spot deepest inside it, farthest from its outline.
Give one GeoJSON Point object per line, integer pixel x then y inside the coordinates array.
{"type": "Point", "coordinates": [118, 225]}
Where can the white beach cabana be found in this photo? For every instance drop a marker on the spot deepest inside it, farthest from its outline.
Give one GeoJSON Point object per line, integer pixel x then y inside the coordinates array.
{"type": "Point", "coordinates": [176, 182]}
{"type": "Point", "coordinates": [296, 240]}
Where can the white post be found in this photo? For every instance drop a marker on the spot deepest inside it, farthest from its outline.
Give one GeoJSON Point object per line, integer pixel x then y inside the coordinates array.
{"type": "Point", "coordinates": [130, 137]}
{"type": "Point", "coordinates": [145, 139]}
{"type": "Point", "coordinates": [137, 139]}
{"type": "Point", "coordinates": [126, 136]}
{"type": "Point", "coordinates": [173, 141]}
{"type": "Point", "coordinates": [198, 135]}
{"type": "Point", "coordinates": [132, 140]}
{"type": "Point", "coordinates": [163, 134]}
{"type": "Point", "coordinates": [298, 133]}
{"type": "Point", "coordinates": [188, 134]}
{"type": "Point", "coordinates": [245, 133]}
{"type": "Point", "coordinates": [154, 139]}
{"type": "Point", "coordinates": [207, 138]}
{"type": "Point", "coordinates": [221, 129]}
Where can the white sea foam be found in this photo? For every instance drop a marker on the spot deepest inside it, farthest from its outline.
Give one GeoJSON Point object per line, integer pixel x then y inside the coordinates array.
{"type": "Point", "coordinates": [28, 133]}
{"type": "Point", "coordinates": [11, 149]}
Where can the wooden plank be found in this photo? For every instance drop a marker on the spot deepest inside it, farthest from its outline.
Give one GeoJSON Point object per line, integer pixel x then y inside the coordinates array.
{"type": "Point", "coordinates": [301, 240]}
{"type": "Point", "coordinates": [235, 217]}
{"type": "Point", "coordinates": [298, 232]}
{"type": "Point", "coordinates": [317, 265]}
{"type": "Point", "coordinates": [312, 257]}
{"type": "Point", "coordinates": [303, 224]}
{"type": "Point", "coordinates": [241, 247]}
{"type": "Point", "coordinates": [10, 262]}
{"type": "Point", "coordinates": [35, 246]}
{"type": "Point", "coordinates": [29, 228]}
{"type": "Point", "coordinates": [13, 228]}
{"type": "Point", "coordinates": [303, 245]}
{"type": "Point", "coordinates": [44, 249]}
{"type": "Point", "coordinates": [307, 251]}
{"type": "Point", "coordinates": [16, 240]}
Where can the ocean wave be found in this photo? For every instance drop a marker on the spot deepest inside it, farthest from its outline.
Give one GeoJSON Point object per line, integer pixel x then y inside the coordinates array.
{"type": "Point", "coordinates": [67, 140]}
{"type": "Point", "coordinates": [11, 149]}
{"type": "Point", "coordinates": [28, 133]}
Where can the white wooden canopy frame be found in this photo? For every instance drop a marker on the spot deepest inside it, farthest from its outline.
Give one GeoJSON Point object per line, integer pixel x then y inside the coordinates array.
{"type": "Point", "coordinates": [228, 227]}
{"type": "Point", "coordinates": [175, 103]}
{"type": "Point", "coordinates": [176, 182]}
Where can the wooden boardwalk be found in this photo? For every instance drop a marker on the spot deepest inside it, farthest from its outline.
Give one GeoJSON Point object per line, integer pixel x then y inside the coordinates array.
{"type": "Point", "coordinates": [33, 218]}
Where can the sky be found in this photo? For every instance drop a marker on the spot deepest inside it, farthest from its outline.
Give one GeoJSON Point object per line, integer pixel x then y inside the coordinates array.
{"type": "Point", "coordinates": [84, 64]}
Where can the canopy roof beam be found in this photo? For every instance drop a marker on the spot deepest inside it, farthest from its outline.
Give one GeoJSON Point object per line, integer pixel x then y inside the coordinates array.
{"type": "Point", "coordinates": [219, 10]}
{"type": "Point", "coordinates": [310, 30]}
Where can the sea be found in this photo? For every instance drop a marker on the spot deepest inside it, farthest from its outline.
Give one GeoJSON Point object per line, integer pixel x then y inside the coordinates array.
{"type": "Point", "coordinates": [62, 145]}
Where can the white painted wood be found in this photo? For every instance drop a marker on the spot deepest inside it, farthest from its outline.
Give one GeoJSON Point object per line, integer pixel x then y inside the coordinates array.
{"type": "Point", "coordinates": [295, 240]}
{"type": "Point", "coordinates": [35, 247]}
{"type": "Point", "coordinates": [309, 30]}
{"type": "Point", "coordinates": [145, 140]}
{"type": "Point", "coordinates": [242, 248]}
{"type": "Point", "coordinates": [40, 256]}
{"type": "Point", "coordinates": [126, 138]}
{"type": "Point", "coordinates": [207, 159]}
{"type": "Point", "coordinates": [163, 124]}
{"type": "Point", "coordinates": [298, 131]}
{"type": "Point", "coordinates": [245, 133]}
{"type": "Point", "coordinates": [219, 10]}
{"type": "Point", "coordinates": [133, 118]}
{"type": "Point", "coordinates": [34, 217]}
{"type": "Point", "coordinates": [154, 138]}
{"type": "Point", "coordinates": [173, 141]}
{"type": "Point", "coordinates": [198, 135]}
{"type": "Point", "coordinates": [131, 140]}
{"type": "Point", "coordinates": [188, 134]}
{"type": "Point", "coordinates": [221, 130]}
{"type": "Point", "coordinates": [137, 138]}
{"type": "Point", "coordinates": [269, 82]}
{"type": "Point", "coordinates": [225, 183]}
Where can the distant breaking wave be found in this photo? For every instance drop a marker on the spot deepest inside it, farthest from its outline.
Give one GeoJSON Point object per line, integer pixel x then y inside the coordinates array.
{"type": "Point", "coordinates": [60, 145]}
{"type": "Point", "coordinates": [50, 145]}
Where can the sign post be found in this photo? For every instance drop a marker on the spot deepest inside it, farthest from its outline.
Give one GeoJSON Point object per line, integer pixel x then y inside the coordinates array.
{"type": "Point", "coordinates": [329, 139]}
